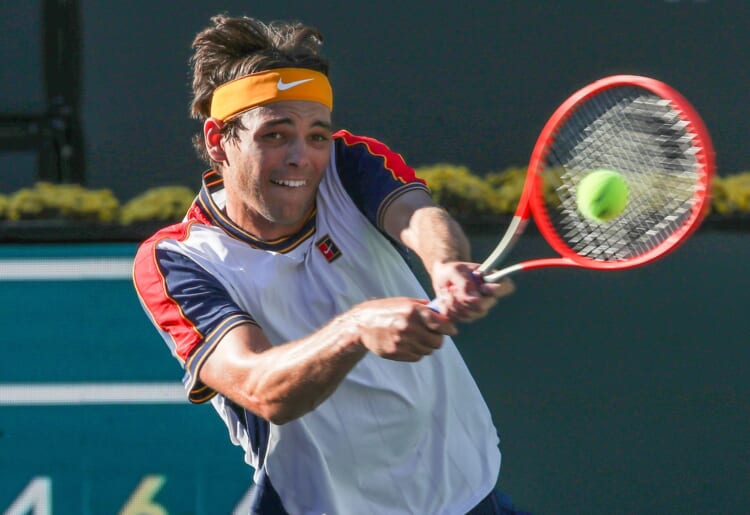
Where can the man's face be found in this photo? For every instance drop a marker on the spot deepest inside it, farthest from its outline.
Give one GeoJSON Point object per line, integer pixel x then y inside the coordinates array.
{"type": "Point", "coordinates": [272, 172]}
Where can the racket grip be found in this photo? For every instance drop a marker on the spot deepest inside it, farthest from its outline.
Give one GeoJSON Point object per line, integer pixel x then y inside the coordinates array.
{"type": "Point", "coordinates": [435, 303]}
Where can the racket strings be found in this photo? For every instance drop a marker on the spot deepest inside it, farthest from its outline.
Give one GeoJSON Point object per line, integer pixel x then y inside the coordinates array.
{"type": "Point", "coordinates": [641, 136]}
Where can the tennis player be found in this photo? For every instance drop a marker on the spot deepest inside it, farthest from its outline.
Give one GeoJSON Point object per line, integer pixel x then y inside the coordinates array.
{"type": "Point", "coordinates": [286, 296]}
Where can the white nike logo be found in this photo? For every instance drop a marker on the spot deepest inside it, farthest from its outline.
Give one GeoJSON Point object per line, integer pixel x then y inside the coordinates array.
{"type": "Point", "coordinates": [289, 85]}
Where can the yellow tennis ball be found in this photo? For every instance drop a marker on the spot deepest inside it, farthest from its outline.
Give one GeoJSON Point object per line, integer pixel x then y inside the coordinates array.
{"type": "Point", "coordinates": [602, 195]}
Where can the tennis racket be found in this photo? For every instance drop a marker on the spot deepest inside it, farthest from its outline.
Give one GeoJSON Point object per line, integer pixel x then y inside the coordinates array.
{"type": "Point", "coordinates": [650, 135]}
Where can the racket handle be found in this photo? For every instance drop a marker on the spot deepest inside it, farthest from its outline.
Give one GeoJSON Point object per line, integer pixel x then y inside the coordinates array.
{"type": "Point", "coordinates": [435, 303]}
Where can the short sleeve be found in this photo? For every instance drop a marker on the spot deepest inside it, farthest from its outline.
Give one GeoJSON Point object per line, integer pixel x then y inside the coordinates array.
{"type": "Point", "coordinates": [372, 174]}
{"type": "Point", "coordinates": [189, 307]}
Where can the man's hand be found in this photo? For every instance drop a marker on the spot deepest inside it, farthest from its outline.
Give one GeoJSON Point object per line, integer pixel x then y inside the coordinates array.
{"type": "Point", "coordinates": [438, 240]}
{"type": "Point", "coordinates": [401, 329]}
{"type": "Point", "coordinates": [461, 293]}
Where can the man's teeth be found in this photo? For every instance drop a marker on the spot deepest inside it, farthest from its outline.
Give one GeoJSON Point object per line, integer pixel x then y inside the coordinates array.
{"type": "Point", "coordinates": [291, 184]}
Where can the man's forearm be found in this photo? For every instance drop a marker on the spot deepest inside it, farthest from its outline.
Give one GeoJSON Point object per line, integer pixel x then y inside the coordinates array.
{"type": "Point", "coordinates": [283, 382]}
{"type": "Point", "coordinates": [435, 237]}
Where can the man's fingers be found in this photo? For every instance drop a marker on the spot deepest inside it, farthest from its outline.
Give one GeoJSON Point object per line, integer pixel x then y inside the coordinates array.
{"type": "Point", "coordinates": [437, 322]}
{"type": "Point", "coordinates": [499, 289]}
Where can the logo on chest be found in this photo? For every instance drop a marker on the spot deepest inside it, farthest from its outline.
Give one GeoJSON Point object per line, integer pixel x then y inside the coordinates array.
{"type": "Point", "coordinates": [328, 248]}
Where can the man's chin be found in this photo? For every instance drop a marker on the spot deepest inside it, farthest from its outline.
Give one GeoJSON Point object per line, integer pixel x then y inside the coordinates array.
{"type": "Point", "coordinates": [290, 223]}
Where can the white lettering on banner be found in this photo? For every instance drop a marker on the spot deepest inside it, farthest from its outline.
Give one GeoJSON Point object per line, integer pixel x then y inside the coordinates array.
{"type": "Point", "coordinates": [142, 500]}
{"type": "Point", "coordinates": [36, 498]}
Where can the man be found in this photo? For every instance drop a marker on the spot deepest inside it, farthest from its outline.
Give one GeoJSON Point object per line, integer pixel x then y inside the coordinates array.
{"type": "Point", "coordinates": [287, 299]}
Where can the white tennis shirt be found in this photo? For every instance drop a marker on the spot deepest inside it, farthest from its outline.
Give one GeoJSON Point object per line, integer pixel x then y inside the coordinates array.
{"type": "Point", "coordinates": [395, 437]}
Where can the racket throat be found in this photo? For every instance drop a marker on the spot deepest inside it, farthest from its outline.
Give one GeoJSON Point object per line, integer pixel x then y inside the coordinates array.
{"type": "Point", "coordinates": [515, 229]}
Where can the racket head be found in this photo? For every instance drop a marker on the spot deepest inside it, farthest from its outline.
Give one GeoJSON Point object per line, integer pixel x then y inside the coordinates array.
{"type": "Point", "coordinates": [650, 134]}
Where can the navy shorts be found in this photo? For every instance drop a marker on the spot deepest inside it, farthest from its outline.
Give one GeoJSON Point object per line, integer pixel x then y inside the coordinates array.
{"type": "Point", "coordinates": [496, 504]}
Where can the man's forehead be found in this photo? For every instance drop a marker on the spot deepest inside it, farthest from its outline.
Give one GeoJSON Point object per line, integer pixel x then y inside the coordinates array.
{"type": "Point", "coordinates": [294, 110]}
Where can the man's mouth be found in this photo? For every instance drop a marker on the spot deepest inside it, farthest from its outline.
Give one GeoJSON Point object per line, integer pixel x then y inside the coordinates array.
{"type": "Point", "coordinates": [289, 183]}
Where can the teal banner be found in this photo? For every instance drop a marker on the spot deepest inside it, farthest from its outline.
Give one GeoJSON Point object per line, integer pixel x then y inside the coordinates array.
{"type": "Point", "coordinates": [616, 392]}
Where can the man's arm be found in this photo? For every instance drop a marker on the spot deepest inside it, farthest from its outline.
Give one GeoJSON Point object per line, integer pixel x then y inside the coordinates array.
{"type": "Point", "coordinates": [438, 240]}
{"type": "Point", "coordinates": [281, 383]}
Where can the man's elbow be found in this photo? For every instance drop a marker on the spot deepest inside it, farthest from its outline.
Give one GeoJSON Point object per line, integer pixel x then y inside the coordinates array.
{"type": "Point", "coordinates": [280, 413]}
{"type": "Point", "coordinates": [279, 419]}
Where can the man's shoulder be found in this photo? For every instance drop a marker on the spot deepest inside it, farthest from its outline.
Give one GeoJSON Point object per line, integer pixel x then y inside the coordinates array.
{"type": "Point", "coordinates": [178, 231]}
{"type": "Point", "coordinates": [366, 157]}
{"type": "Point", "coordinates": [145, 254]}
{"type": "Point", "coordinates": [347, 139]}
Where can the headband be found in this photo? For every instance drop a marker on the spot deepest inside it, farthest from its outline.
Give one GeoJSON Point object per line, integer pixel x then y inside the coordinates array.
{"type": "Point", "coordinates": [264, 87]}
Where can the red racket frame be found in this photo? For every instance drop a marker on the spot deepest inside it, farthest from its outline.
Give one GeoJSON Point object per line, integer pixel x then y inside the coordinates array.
{"type": "Point", "coordinates": [532, 201]}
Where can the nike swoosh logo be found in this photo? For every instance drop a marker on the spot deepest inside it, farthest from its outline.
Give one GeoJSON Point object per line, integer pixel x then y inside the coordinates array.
{"type": "Point", "coordinates": [283, 86]}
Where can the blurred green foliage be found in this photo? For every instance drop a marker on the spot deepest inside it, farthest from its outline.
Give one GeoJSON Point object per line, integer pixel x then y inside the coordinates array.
{"type": "Point", "coordinates": [166, 204]}
{"type": "Point", "coordinates": [47, 201]}
{"type": "Point", "coordinates": [66, 201]}
{"type": "Point", "coordinates": [731, 194]}
{"type": "Point", "coordinates": [460, 191]}
{"type": "Point", "coordinates": [463, 193]}
{"type": "Point", "coordinates": [467, 195]}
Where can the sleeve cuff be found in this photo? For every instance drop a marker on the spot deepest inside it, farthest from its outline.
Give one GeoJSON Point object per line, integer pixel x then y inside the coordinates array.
{"type": "Point", "coordinates": [198, 392]}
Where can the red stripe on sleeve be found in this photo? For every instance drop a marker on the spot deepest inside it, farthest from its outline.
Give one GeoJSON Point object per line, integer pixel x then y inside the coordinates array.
{"type": "Point", "coordinates": [150, 284]}
{"type": "Point", "coordinates": [394, 163]}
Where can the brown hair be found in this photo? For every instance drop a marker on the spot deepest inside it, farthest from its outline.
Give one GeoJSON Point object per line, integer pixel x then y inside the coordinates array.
{"type": "Point", "coordinates": [233, 47]}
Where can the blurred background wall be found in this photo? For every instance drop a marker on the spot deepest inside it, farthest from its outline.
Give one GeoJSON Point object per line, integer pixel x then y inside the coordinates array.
{"type": "Point", "coordinates": [438, 81]}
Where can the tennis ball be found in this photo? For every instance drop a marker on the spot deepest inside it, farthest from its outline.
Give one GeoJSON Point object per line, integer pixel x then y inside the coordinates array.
{"type": "Point", "coordinates": [602, 195]}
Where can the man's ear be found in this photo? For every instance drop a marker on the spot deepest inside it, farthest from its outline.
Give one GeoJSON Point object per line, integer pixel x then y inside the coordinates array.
{"type": "Point", "coordinates": [214, 142]}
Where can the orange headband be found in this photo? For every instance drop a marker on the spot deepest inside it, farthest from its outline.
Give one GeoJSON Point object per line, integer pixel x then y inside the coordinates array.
{"type": "Point", "coordinates": [260, 88]}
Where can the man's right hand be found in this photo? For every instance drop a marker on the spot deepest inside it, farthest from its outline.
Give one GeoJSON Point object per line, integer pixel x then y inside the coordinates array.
{"type": "Point", "coordinates": [400, 328]}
